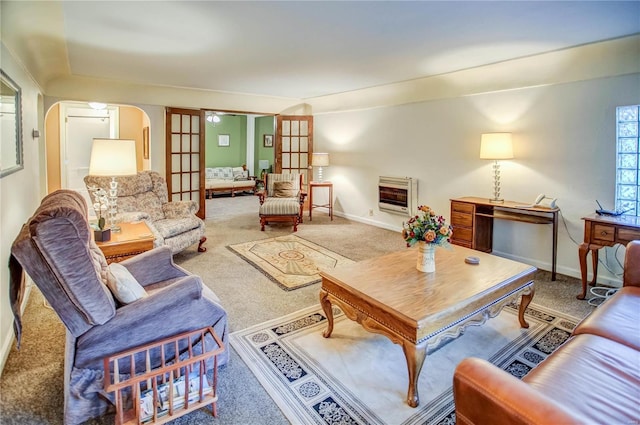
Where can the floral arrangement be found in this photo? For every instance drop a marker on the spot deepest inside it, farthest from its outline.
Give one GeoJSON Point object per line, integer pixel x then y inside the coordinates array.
{"type": "Point", "coordinates": [100, 204]}
{"type": "Point", "coordinates": [427, 227]}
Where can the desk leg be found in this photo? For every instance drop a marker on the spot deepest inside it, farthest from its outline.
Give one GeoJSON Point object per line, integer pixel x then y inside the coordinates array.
{"type": "Point", "coordinates": [555, 246]}
{"type": "Point", "coordinates": [415, 355]}
{"type": "Point", "coordinates": [594, 260]}
{"type": "Point", "coordinates": [583, 250]}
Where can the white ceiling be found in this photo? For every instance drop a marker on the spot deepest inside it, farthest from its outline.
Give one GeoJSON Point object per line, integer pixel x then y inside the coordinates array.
{"type": "Point", "coordinates": [306, 49]}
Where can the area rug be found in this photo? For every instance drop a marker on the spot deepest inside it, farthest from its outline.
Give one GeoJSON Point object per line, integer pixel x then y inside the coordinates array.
{"type": "Point", "coordinates": [356, 377]}
{"type": "Point", "coordinates": [289, 261]}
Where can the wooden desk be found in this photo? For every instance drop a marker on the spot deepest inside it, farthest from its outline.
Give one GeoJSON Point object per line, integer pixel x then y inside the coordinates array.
{"type": "Point", "coordinates": [133, 239]}
{"type": "Point", "coordinates": [329, 205]}
{"type": "Point", "coordinates": [472, 221]}
{"type": "Point", "coordinates": [601, 231]}
{"type": "Point", "coordinates": [421, 311]}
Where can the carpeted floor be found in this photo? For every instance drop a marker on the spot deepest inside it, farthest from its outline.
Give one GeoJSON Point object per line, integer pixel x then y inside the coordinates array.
{"type": "Point", "coordinates": [31, 382]}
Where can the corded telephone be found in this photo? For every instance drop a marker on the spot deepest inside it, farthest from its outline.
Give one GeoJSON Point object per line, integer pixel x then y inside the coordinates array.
{"type": "Point", "coordinates": [544, 201]}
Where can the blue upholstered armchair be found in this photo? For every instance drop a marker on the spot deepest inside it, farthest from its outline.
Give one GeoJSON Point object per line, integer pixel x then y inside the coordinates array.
{"type": "Point", "coordinates": [56, 250]}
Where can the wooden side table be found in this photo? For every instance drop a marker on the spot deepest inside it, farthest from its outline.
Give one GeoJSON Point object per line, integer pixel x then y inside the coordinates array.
{"type": "Point", "coordinates": [601, 231]}
{"type": "Point", "coordinates": [133, 239]}
{"type": "Point", "coordinates": [329, 205]}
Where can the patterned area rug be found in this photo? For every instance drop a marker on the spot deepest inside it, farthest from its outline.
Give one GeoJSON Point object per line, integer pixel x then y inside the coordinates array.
{"type": "Point", "coordinates": [289, 261]}
{"type": "Point", "coordinates": [356, 377]}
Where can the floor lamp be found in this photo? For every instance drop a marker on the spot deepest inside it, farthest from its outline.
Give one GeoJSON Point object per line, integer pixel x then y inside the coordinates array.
{"type": "Point", "coordinates": [496, 146]}
{"type": "Point", "coordinates": [112, 158]}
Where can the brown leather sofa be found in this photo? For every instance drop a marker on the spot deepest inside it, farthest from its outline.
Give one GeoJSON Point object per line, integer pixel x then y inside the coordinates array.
{"type": "Point", "coordinates": [594, 377]}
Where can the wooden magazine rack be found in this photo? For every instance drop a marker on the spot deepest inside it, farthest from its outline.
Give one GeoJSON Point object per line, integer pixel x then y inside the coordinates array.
{"type": "Point", "coordinates": [175, 388]}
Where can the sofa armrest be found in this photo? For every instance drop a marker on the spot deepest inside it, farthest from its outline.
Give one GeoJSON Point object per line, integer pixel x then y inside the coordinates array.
{"type": "Point", "coordinates": [133, 216]}
{"type": "Point", "coordinates": [632, 265]}
{"type": "Point", "coordinates": [179, 209]}
{"type": "Point", "coordinates": [485, 394]}
{"type": "Point", "coordinates": [153, 266]}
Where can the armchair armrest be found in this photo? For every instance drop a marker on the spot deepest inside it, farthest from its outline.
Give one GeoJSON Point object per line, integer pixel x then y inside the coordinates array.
{"type": "Point", "coordinates": [632, 265]}
{"type": "Point", "coordinates": [148, 319]}
{"type": "Point", "coordinates": [302, 195]}
{"type": "Point", "coordinates": [485, 394]}
{"type": "Point", "coordinates": [261, 194]}
{"type": "Point", "coordinates": [179, 209]}
{"type": "Point", "coordinates": [154, 266]}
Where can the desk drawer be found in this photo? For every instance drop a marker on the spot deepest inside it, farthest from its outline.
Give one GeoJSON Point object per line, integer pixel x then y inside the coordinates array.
{"type": "Point", "coordinates": [604, 233]}
{"type": "Point", "coordinates": [462, 234]}
{"type": "Point", "coordinates": [462, 207]}
{"type": "Point", "coordinates": [628, 234]}
{"type": "Point", "coordinates": [461, 219]}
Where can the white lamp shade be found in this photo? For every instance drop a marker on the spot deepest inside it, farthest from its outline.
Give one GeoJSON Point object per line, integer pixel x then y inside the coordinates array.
{"type": "Point", "coordinates": [113, 157]}
{"type": "Point", "coordinates": [496, 146]}
{"type": "Point", "coordinates": [263, 164]}
{"type": "Point", "coordinates": [320, 160]}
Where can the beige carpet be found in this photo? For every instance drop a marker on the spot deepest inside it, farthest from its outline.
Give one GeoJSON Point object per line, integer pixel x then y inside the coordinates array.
{"type": "Point", "coordinates": [356, 377]}
{"type": "Point", "coordinates": [289, 261]}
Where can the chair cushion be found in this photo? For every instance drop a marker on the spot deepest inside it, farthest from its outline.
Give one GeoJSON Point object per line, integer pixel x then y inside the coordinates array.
{"type": "Point", "coordinates": [284, 190]}
{"type": "Point", "coordinates": [123, 285]}
{"type": "Point", "coordinates": [280, 206]}
{"type": "Point", "coordinates": [172, 227]}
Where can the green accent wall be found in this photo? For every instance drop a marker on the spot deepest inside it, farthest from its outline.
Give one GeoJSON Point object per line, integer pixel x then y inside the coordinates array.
{"type": "Point", "coordinates": [264, 125]}
{"type": "Point", "coordinates": [233, 155]}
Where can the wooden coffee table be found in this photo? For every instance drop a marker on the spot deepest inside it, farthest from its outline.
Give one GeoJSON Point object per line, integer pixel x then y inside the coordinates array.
{"type": "Point", "coordinates": [133, 239]}
{"type": "Point", "coordinates": [419, 311]}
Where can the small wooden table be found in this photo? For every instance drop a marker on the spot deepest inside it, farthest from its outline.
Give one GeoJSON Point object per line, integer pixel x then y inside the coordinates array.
{"type": "Point", "coordinates": [133, 239]}
{"type": "Point", "coordinates": [419, 311]}
{"type": "Point", "coordinates": [329, 205]}
{"type": "Point", "coordinates": [601, 231]}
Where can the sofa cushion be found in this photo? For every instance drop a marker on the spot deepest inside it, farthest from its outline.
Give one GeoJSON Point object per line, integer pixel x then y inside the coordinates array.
{"type": "Point", "coordinates": [172, 227]}
{"type": "Point", "coordinates": [222, 173]}
{"type": "Point", "coordinates": [574, 374]}
{"type": "Point", "coordinates": [617, 319]}
{"type": "Point", "coordinates": [239, 173]}
{"type": "Point", "coordinates": [208, 173]}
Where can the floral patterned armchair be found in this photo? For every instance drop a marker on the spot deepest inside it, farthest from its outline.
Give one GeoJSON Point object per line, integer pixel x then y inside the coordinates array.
{"type": "Point", "coordinates": [145, 197]}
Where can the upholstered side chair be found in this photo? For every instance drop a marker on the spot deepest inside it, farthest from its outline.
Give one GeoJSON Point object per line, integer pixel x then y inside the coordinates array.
{"type": "Point", "coordinates": [282, 199]}
{"type": "Point", "coordinates": [145, 197]}
{"type": "Point", "coordinates": [55, 248]}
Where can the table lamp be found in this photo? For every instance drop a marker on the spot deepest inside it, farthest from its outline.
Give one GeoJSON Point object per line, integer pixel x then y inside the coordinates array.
{"type": "Point", "coordinates": [112, 158]}
{"type": "Point", "coordinates": [496, 146]}
{"type": "Point", "coordinates": [263, 164]}
{"type": "Point", "coordinates": [320, 160]}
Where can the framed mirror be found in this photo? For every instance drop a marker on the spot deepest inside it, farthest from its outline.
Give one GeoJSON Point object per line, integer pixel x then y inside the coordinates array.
{"type": "Point", "coordinates": [10, 125]}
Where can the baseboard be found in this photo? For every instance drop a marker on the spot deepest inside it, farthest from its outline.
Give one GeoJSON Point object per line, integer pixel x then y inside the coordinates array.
{"type": "Point", "coordinates": [368, 221]}
{"type": "Point", "coordinates": [8, 340]}
{"type": "Point", "coordinates": [567, 271]}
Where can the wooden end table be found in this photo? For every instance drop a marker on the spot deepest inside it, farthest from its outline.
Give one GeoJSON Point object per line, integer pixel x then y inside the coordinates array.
{"type": "Point", "coordinates": [133, 239]}
{"type": "Point", "coordinates": [420, 311]}
{"type": "Point", "coordinates": [329, 205]}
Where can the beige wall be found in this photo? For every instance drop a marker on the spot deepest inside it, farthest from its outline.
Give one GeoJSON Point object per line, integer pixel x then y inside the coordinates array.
{"type": "Point", "coordinates": [131, 123]}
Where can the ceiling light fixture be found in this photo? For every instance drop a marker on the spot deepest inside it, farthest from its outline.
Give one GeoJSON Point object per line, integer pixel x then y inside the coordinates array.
{"type": "Point", "coordinates": [97, 105]}
{"type": "Point", "coordinates": [214, 118]}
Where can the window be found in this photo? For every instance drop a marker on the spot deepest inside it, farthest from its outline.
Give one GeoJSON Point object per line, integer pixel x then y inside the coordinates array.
{"type": "Point", "coordinates": [628, 165]}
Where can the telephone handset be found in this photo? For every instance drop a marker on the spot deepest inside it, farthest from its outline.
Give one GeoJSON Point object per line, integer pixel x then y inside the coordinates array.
{"type": "Point", "coordinates": [544, 201]}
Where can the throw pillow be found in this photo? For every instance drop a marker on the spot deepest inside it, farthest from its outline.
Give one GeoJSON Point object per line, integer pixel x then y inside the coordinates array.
{"type": "Point", "coordinates": [284, 190]}
{"type": "Point", "coordinates": [124, 287]}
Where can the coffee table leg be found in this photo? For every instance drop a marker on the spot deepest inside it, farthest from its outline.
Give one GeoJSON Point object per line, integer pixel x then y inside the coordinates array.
{"type": "Point", "coordinates": [328, 311]}
{"type": "Point", "coordinates": [524, 303]}
{"type": "Point", "coordinates": [415, 355]}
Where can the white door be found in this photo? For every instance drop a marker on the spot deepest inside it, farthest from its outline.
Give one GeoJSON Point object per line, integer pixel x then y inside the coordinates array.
{"type": "Point", "coordinates": [81, 125]}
